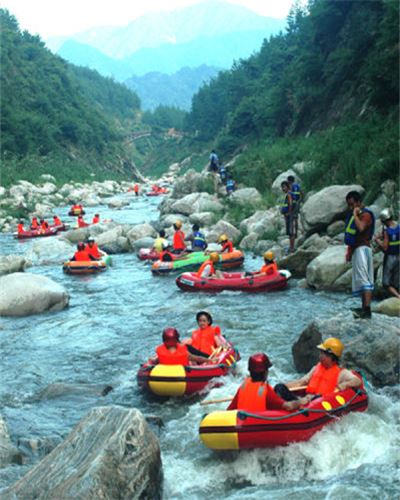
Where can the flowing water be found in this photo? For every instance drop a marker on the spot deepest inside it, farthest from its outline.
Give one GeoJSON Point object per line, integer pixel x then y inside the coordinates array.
{"type": "Point", "coordinates": [113, 323]}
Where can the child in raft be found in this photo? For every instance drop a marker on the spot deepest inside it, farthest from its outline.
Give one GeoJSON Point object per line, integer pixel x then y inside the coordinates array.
{"type": "Point", "coordinates": [207, 340]}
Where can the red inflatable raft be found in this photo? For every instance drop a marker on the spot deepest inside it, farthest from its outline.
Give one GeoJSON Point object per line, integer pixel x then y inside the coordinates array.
{"type": "Point", "coordinates": [239, 429]}
{"type": "Point", "coordinates": [179, 380]}
{"type": "Point", "coordinates": [36, 233]}
{"type": "Point", "coordinates": [190, 282]}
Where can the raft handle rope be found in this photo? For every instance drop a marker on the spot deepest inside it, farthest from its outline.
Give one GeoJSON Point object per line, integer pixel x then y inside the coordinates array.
{"type": "Point", "coordinates": [242, 414]}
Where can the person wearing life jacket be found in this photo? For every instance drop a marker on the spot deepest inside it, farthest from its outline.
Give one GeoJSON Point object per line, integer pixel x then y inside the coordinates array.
{"type": "Point", "coordinates": [359, 230]}
{"type": "Point", "coordinates": [173, 352]}
{"type": "Point", "coordinates": [34, 223]}
{"type": "Point", "coordinates": [389, 243]}
{"type": "Point", "coordinates": [214, 161]}
{"type": "Point", "coordinates": [44, 225]}
{"type": "Point", "coordinates": [197, 238]}
{"type": "Point", "coordinates": [255, 394]}
{"type": "Point", "coordinates": [82, 255]}
{"type": "Point", "coordinates": [96, 219]}
{"type": "Point", "coordinates": [160, 242]}
{"type": "Point", "coordinates": [325, 377]}
{"type": "Point", "coordinates": [81, 222]}
{"type": "Point", "coordinates": [230, 185]}
{"type": "Point", "coordinates": [269, 268]}
{"type": "Point", "coordinates": [20, 227]}
{"type": "Point", "coordinates": [207, 269]}
{"type": "Point", "coordinates": [287, 210]}
{"type": "Point", "coordinates": [92, 249]}
{"type": "Point", "coordinates": [297, 198]}
{"type": "Point", "coordinates": [57, 221]}
{"type": "Point", "coordinates": [207, 338]}
{"type": "Point", "coordinates": [136, 189]}
{"type": "Point", "coordinates": [226, 244]}
{"type": "Point", "coordinates": [167, 255]}
{"type": "Point", "coordinates": [178, 242]}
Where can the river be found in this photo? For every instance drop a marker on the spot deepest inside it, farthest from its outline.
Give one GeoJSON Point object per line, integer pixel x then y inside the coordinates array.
{"type": "Point", "coordinates": [113, 323]}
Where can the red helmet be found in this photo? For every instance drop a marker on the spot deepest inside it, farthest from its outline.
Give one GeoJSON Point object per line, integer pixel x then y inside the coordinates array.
{"type": "Point", "coordinates": [170, 336]}
{"type": "Point", "coordinates": [259, 363]}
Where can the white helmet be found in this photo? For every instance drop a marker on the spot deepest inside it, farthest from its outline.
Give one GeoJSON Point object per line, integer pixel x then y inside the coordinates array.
{"type": "Point", "coordinates": [385, 215]}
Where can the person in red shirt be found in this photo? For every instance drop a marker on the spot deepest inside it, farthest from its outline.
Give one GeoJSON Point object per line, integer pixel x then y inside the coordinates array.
{"type": "Point", "coordinates": [227, 245]}
{"type": "Point", "coordinates": [81, 222]}
{"type": "Point", "coordinates": [92, 249]}
{"type": "Point", "coordinates": [136, 189]}
{"type": "Point", "coordinates": [178, 242]}
{"type": "Point", "coordinates": [96, 219]}
{"type": "Point", "coordinates": [81, 254]}
{"type": "Point", "coordinates": [20, 227]}
{"type": "Point", "coordinates": [255, 394]}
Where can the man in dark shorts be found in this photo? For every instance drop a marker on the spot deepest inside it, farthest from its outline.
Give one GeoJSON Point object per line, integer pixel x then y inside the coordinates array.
{"type": "Point", "coordinates": [287, 210]}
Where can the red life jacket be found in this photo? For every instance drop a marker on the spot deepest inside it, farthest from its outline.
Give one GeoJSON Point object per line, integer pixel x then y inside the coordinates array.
{"type": "Point", "coordinates": [203, 266]}
{"type": "Point", "coordinates": [204, 339]}
{"type": "Point", "coordinates": [323, 380]}
{"type": "Point", "coordinates": [82, 256]}
{"type": "Point", "coordinates": [20, 228]}
{"type": "Point", "coordinates": [44, 226]}
{"type": "Point", "coordinates": [82, 223]}
{"type": "Point", "coordinates": [136, 188]}
{"type": "Point", "coordinates": [166, 357]}
{"type": "Point", "coordinates": [57, 221]}
{"type": "Point", "coordinates": [228, 245]}
{"type": "Point", "coordinates": [95, 220]}
{"type": "Point", "coordinates": [269, 268]}
{"type": "Point", "coordinates": [179, 240]}
{"type": "Point", "coordinates": [252, 396]}
{"type": "Point", "coordinates": [34, 224]}
{"type": "Point", "coordinates": [93, 250]}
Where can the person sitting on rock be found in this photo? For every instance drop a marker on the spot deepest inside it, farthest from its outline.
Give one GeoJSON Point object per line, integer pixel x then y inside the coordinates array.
{"type": "Point", "coordinates": [57, 221]}
{"type": "Point", "coordinates": [93, 250]}
{"type": "Point", "coordinates": [255, 394]}
{"type": "Point", "coordinates": [326, 377]}
{"type": "Point", "coordinates": [197, 238]}
{"type": "Point", "coordinates": [82, 255]}
{"type": "Point", "coordinates": [173, 352]}
{"type": "Point", "coordinates": [207, 269]}
{"type": "Point", "coordinates": [160, 241]}
{"type": "Point", "coordinates": [81, 222]}
{"type": "Point", "coordinates": [227, 245]}
{"type": "Point", "coordinates": [207, 338]}
{"type": "Point", "coordinates": [178, 242]}
{"type": "Point", "coordinates": [34, 223]}
{"type": "Point", "coordinates": [20, 227]}
{"type": "Point", "coordinates": [96, 219]}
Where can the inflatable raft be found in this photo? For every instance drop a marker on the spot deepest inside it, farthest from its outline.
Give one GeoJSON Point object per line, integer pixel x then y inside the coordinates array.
{"type": "Point", "coordinates": [239, 429]}
{"type": "Point", "coordinates": [157, 192]}
{"type": "Point", "coordinates": [151, 254]}
{"type": "Point", "coordinates": [179, 380]}
{"type": "Point", "coordinates": [76, 212]}
{"type": "Point", "coordinates": [36, 233]}
{"type": "Point", "coordinates": [84, 267]}
{"type": "Point", "coordinates": [194, 260]}
{"type": "Point", "coordinates": [234, 281]}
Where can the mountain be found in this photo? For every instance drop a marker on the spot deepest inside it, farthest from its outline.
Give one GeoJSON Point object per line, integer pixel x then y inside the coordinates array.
{"type": "Point", "coordinates": [212, 18]}
{"type": "Point", "coordinates": [155, 89]}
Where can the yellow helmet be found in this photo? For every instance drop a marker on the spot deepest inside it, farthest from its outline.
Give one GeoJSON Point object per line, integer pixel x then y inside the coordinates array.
{"type": "Point", "coordinates": [178, 224]}
{"type": "Point", "coordinates": [269, 255]}
{"type": "Point", "coordinates": [222, 238]}
{"type": "Point", "coordinates": [214, 257]}
{"type": "Point", "coordinates": [332, 346]}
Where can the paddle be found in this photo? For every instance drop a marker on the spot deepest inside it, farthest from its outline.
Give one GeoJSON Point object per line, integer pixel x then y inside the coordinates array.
{"type": "Point", "coordinates": [224, 400]}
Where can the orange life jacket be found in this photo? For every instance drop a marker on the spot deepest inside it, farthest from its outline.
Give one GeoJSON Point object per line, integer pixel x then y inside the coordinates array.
{"type": "Point", "coordinates": [44, 226]}
{"type": "Point", "coordinates": [93, 251]}
{"type": "Point", "coordinates": [57, 221]}
{"type": "Point", "coordinates": [179, 240]}
{"type": "Point", "coordinates": [166, 357]}
{"type": "Point", "coordinates": [95, 220]}
{"type": "Point", "coordinates": [34, 224]}
{"type": "Point", "coordinates": [136, 188]}
{"type": "Point", "coordinates": [82, 256]}
{"type": "Point", "coordinates": [228, 245]}
{"type": "Point", "coordinates": [20, 228]}
{"type": "Point", "coordinates": [203, 266]}
{"type": "Point", "coordinates": [269, 268]}
{"type": "Point", "coordinates": [81, 222]}
{"type": "Point", "coordinates": [323, 380]}
{"type": "Point", "coordinates": [204, 339]}
{"type": "Point", "coordinates": [252, 396]}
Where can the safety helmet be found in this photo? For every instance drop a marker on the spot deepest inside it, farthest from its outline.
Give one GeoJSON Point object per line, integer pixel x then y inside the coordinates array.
{"type": "Point", "coordinates": [259, 363]}
{"type": "Point", "coordinates": [178, 224]}
{"type": "Point", "coordinates": [222, 238]}
{"type": "Point", "coordinates": [204, 313]}
{"type": "Point", "coordinates": [385, 215]}
{"type": "Point", "coordinates": [170, 336]}
{"type": "Point", "coordinates": [81, 246]}
{"type": "Point", "coordinates": [269, 255]}
{"type": "Point", "coordinates": [332, 346]}
{"type": "Point", "coordinates": [90, 239]}
{"type": "Point", "coordinates": [214, 257]}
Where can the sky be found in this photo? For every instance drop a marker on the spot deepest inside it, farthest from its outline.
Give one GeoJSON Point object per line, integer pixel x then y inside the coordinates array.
{"type": "Point", "coordinates": [48, 18]}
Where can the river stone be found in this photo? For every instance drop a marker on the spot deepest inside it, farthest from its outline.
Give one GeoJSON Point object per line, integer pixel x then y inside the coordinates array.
{"type": "Point", "coordinates": [245, 196]}
{"type": "Point", "coordinates": [109, 237]}
{"type": "Point", "coordinates": [9, 454]}
{"type": "Point", "coordinates": [390, 307]}
{"type": "Point", "coordinates": [12, 264]}
{"type": "Point", "coordinates": [326, 206]}
{"type": "Point", "coordinates": [261, 222]}
{"type": "Point", "coordinates": [197, 202]}
{"type": "Point", "coordinates": [141, 231]}
{"type": "Point", "coordinates": [120, 245]}
{"type": "Point", "coordinates": [298, 261]}
{"type": "Point", "coordinates": [146, 242]}
{"type": "Point", "coordinates": [117, 203]}
{"type": "Point", "coordinates": [168, 220]}
{"type": "Point", "coordinates": [76, 235]}
{"type": "Point", "coordinates": [370, 345]}
{"type": "Point", "coordinates": [202, 218]}
{"type": "Point", "coordinates": [190, 182]}
{"type": "Point", "coordinates": [222, 227]}
{"type": "Point", "coordinates": [344, 282]}
{"type": "Point", "coordinates": [276, 185]}
{"type": "Point", "coordinates": [324, 270]}
{"type": "Point", "coordinates": [249, 242]}
{"type": "Point", "coordinates": [50, 250]}
{"type": "Point", "coordinates": [112, 453]}
{"type": "Point", "coordinates": [335, 228]}
{"type": "Point", "coordinates": [23, 294]}
{"type": "Point", "coordinates": [60, 390]}
{"type": "Point", "coordinates": [316, 242]}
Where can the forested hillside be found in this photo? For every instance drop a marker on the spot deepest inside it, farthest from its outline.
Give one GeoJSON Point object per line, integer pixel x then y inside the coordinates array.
{"type": "Point", "coordinates": [56, 117]}
{"type": "Point", "coordinates": [325, 91]}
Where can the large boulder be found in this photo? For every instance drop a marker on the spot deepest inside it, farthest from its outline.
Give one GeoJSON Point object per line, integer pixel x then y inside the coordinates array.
{"type": "Point", "coordinates": [141, 231]}
{"type": "Point", "coordinates": [298, 261]}
{"type": "Point", "coordinates": [370, 345]}
{"type": "Point", "coordinates": [12, 264]}
{"type": "Point", "coordinates": [324, 270]}
{"type": "Point", "coordinates": [76, 235]}
{"type": "Point", "coordinates": [202, 218]}
{"type": "Point", "coordinates": [326, 206]}
{"type": "Point", "coordinates": [261, 222]}
{"type": "Point", "coordinates": [249, 242]}
{"type": "Point", "coordinates": [276, 185]}
{"type": "Point", "coordinates": [23, 294]}
{"type": "Point", "coordinates": [246, 196]}
{"type": "Point", "coordinates": [9, 454]}
{"type": "Point", "coordinates": [50, 251]}
{"type": "Point", "coordinates": [223, 227]}
{"type": "Point", "coordinates": [117, 202]}
{"type": "Point", "coordinates": [111, 453]}
{"type": "Point", "coordinates": [193, 182]}
{"type": "Point", "coordinates": [390, 307]}
{"type": "Point", "coordinates": [196, 202]}
{"type": "Point", "coordinates": [146, 242]}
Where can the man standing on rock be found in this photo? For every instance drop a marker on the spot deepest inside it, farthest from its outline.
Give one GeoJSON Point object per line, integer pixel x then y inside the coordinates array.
{"type": "Point", "coordinates": [360, 226]}
{"type": "Point", "coordinates": [286, 209]}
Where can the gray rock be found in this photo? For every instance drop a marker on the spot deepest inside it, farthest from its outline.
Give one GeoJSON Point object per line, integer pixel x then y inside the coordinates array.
{"type": "Point", "coordinates": [223, 227]}
{"type": "Point", "coordinates": [8, 452]}
{"type": "Point", "coordinates": [23, 294]}
{"type": "Point", "coordinates": [50, 250]}
{"type": "Point", "coordinates": [141, 231]}
{"type": "Point", "coordinates": [316, 243]}
{"type": "Point", "coordinates": [249, 242]}
{"type": "Point", "coordinates": [261, 222]}
{"type": "Point", "coordinates": [196, 202]}
{"type": "Point", "coordinates": [298, 261]}
{"type": "Point", "coordinates": [168, 220]}
{"type": "Point", "coordinates": [390, 307]}
{"type": "Point", "coordinates": [61, 390]}
{"type": "Point", "coordinates": [111, 453]}
{"type": "Point", "coordinates": [146, 242]}
{"type": "Point", "coordinates": [246, 196]}
{"type": "Point", "coordinates": [370, 345]}
{"type": "Point", "coordinates": [202, 218]}
{"type": "Point", "coordinates": [120, 245]}
{"type": "Point", "coordinates": [76, 235]}
{"type": "Point", "coordinates": [48, 178]}
{"type": "Point", "coordinates": [117, 203]}
{"type": "Point", "coordinates": [192, 182]}
{"type": "Point", "coordinates": [324, 270]}
{"type": "Point", "coordinates": [335, 228]}
{"type": "Point", "coordinates": [276, 185]}
{"type": "Point", "coordinates": [12, 264]}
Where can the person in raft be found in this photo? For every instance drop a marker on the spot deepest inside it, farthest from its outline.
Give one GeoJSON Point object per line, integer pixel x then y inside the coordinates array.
{"type": "Point", "coordinates": [57, 221]}
{"type": "Point", "coordinates": [82, 255]}
{"type": "Point", "coordinates": [178, 242]}
{"type": "Point", "coordinates": [199, 243]}
{"type": "Point", "coordinates": [206, 339]}
{"type": "Point", "coordinates": [207, 269]}
{"type": "Point", "coordinates": [81, 222]}
{"type": "Point", "coordinates": [167, 254]}
{"type": "Point", "coordinates": [34, 223]}
{"type": "Point", "coordinates": [255, 394]}
{"type": "Point", "coordinates": [160, 241]}
{"type": "Point", "coordinates": [325, 377]}
{"type": "Point", "coordinates": [226, 244]}
{"type": "Point", "coordinates": [20, 227]}
{"type": "Point", "coordinates": [173, 352]}
{"type": "Point", "coordinates": [44, 225]}
{"type": "Point", "coordinates": [96, 219]}
{"type": "Point", "coordinates": [93, 250]}
{"type": "Point", "coordinates": [269, 267]}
